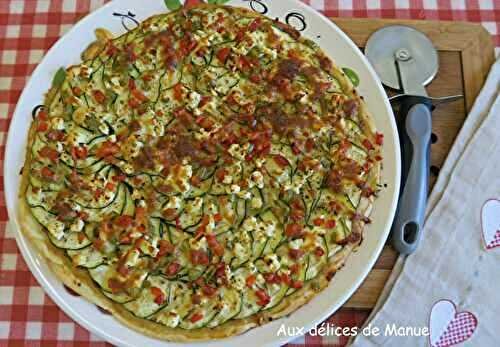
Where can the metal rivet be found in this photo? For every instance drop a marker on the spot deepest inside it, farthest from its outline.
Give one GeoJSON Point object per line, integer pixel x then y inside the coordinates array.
{"type": "Point", "coordinates": [434, 138]}
{"type": "Point", "coordinates": [403, 54]}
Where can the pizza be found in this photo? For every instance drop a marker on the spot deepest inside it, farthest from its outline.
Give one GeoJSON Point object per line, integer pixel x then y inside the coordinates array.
{"type": "Point", "coordinates": [200, 175]}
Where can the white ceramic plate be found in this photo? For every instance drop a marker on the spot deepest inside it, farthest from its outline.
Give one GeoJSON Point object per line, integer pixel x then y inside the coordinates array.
{"type": "Point", "coordinates": [118, 16]}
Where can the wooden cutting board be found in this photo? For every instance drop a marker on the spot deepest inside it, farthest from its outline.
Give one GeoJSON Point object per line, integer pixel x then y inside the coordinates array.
{"type": "Point", "coordinates": [466, 53]}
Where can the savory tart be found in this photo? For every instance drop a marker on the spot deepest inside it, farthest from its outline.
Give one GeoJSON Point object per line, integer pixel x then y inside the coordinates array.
{"type": "Point", "coordinates": [200, 175]}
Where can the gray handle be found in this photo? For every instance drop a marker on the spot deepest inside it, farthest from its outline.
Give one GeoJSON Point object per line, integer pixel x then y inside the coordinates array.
{"type": "Point", "coordinates": [409, 221]}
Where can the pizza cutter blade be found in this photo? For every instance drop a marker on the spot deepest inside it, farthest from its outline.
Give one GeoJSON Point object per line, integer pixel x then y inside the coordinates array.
{"type": "Point", "coordinates": [405, 59]}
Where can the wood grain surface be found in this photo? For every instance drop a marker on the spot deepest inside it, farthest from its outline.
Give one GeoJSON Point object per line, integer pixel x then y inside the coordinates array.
{"type": "Point", "coordinates": [466, 53]}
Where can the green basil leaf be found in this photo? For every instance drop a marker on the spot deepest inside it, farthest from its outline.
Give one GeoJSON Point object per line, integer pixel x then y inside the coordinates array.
{"type": "Point", "coordinates": [173, 5]}
{"type": "Point", "coordinates": [353, 76]}
{"type": "Point", "coordinates": [59, 78]}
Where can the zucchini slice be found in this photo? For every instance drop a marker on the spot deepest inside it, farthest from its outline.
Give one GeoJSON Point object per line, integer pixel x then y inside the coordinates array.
{"type": "Point", "coordinates": [115, 206]}
{"type": "Point", "coordinates": [208, 310]}
{"type": "Point", "coordinates": [232, 306]}
{"type": "Point", "coordinates": [301, 275]}
{"type": "Point", "coordinates": [193, 215]}
{"type": "Point", "coordinates": [316, 263]}
{"type": "Point", "coordinates": [249, 304]}
{"type": "Point", "coordinates": [71, 240]}
{"type": "Point", "coordinates": [356, 153]}
{"type": "Point", "coordinates": [353, 194]}
{"type": "Point", "coordinates": [178, 305]}
{"type": "Point", "coordinates": [277, 292]}
{"type": "Point", "coordinates": [88, 257]}
{"type": "Point", "coordinates": [101, 275]}
{"type": "Point", "coordinates": [144, 305]}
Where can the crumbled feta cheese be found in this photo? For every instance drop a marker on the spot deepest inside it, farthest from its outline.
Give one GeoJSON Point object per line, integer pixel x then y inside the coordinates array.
{"type": "Point", "coordinates": [115, 80]}
{"type": "Point", "coordinates": [59, 147]}
{"type": "Point", "coordinates": [56, 228]}
{"type": "Point", "coordinates": [180, 181]}
{"type": "Point", "coordinates": [158, 128]}
{"type": "Point", "coordinates": [148, 247]}
{"type": "Point", "coordinates": [57, 123]}
{"type": "Point", "coordinates": [272, 262]}
{"type": "Point", "coordinates": [250, 224]}
{"type": "Point", "coordinates": [136, 194]}
{"type": "Point", "coordinates": [259, 162]}
{"type": "Point", "coordinates": [318, 242]}
{"type": "Point", "coordinates": [239, 282]}
{"type": "Point", "coordinates": [243, 194]}
{"type": "Point", "coordinates": [260, 42]}
{"type": "Point", "coordinates": [136, 234]}
{"type": "Point", "coordinates": [77, 225]}
{"type": "Point", "coordinates": [196, 204]}
{"type": "Point", "coordinates": [256, 179]}
{"type": "Point", "coordinates": [251, 267]}
{"type": "Point", "coordinates": [103, 128]}
{"type": "Point", "coordinates": [86, 71]}
{"type": "Point", "coordinates": [188, 170]}
{"type": "Point", "coordinates": [194, 99]}
{"type": "Point", "coordinates": [132, 147]}
{"type": "Point", "coordinates": [76, 207]}
{"type": "Point", "coordinates": [228, 179]}
{"type": "Point", "coordinates": [270, 52]}
{"type": "Point", "coordinates": [262, 229]}
{"type": "Point", "coordinates": [296, 244]}
{"type": "Point", "coordinates": [170, 319]}
{"type": "Point", "coordinates": [228, 272]}
{"type": "Point", "coordinates": [297, 182]}
{"type": "Point", "coordinates": [211, 224]}
{"type": "Point", "coordinates": [242, 48]}
{"type": "Point", "coordinates": [202, 134]}
{"type": "Point", "coordinates": [75, 138]}
{"type": "Point", "coordinates": [235, 188]}
{"type": "Point", "coordinates": [268, 228]}
{"type": "Point", "coordinates": [132, 257]}
{"type": "Point", "coordinates": [238, 151]}
{"type": "Point", "coordinates": [174, 202]}
{"type": "Point", "coordinates": [285, 271]}
{"type": "Point", "coordinates": [197, 244]}
{"type": "Point", "coordinates": [214, 37]}
{"type": "Point", "coordinates": [304, 99]}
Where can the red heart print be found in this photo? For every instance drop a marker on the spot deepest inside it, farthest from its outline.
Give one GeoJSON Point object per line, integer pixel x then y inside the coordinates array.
{"type": "Point", "coordinates": [449, 327]}
{"type": "Point", "coordinates": [490, 223]}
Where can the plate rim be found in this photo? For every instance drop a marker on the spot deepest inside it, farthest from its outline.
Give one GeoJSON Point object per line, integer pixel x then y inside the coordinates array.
{"type": "Point", "coordinates": [33, 261]}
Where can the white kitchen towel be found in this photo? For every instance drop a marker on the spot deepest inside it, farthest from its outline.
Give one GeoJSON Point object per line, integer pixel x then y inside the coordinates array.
{"type": "Point", "coordinates": [451, 284]}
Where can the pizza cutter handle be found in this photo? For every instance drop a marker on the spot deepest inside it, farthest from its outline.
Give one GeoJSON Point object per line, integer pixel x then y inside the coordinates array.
{"type": "Point", "coordinates": [415, 133]}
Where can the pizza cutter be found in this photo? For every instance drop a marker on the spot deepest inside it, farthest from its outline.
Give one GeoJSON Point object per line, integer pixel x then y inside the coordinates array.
{"type": "Point", "coordinates": [406, 60]}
